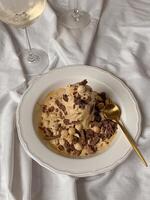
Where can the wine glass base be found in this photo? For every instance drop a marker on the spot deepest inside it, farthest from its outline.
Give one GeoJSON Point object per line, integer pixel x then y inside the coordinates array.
{"type": "Point", "coordinates": [34, 61]}
{"type": "Point", "coordinates": [69, 21]}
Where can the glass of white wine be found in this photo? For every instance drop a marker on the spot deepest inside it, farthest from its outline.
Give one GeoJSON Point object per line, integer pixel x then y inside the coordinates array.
{"type": "Point", "coordinates": [21, 14]}
{"type": "Point", "coordinates": [75, 18]}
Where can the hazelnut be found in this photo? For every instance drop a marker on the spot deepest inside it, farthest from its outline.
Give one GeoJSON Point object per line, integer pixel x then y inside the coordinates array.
{"type": "Point", "coordinates": [101, 145]}
{"type": "Point", "coordinates": [45, 115]}
{"type": "Point", "coordinates": [61, 142]}
{"type": "Point", "coordinates": [69, 139]}
{"type": "Point", "coordinates": [55, 133]}
{"type": "Point", "coordinates": [96, 129]}
{"type": "Point", "coordinates": [71, 131]}
{"type": "Point", "coordinates": [84, 152]}
{"type": "Point", "coordinates": [45, 123]}
{"type": "Point", "coordinates": [64, 133]}
{"type": "Point", "coordinates": [81, 89]}
{"type": "Point", "coordinates": [77, 135]}
{"type": "Point", "coordinates": [55, 141]}
{"type": "Point", "coordinates": [55, 125]}
{"type": "Point", "coordinates": [78, 146]}
{"type": "Point", "coordinates": [78, 127]}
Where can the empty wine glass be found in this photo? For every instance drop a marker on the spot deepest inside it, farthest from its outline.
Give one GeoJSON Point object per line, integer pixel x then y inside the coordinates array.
{"type": "Point", "coordinates": [75, 18]}
{"type": "Point", "coordinates": [21, 14]}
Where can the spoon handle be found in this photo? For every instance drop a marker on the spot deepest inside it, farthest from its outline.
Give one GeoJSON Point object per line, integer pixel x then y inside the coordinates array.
{"type": "Point", "coordinates": [133, 144]}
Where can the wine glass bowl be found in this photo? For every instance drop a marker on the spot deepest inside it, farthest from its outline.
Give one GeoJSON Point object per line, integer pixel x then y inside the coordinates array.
{"type": "Point", "coordinates": [21, 16]}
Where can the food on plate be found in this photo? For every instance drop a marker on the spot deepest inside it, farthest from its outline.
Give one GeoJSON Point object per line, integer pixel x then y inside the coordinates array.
{"type": "Point", "coordinates": [71, 121]}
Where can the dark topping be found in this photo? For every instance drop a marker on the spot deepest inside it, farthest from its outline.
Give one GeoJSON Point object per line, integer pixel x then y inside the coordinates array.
{"type": "Point", "coordinates": [56, 110]}
{"type": "Point", "coordinates": [94, 124]}
{"type": "Point", "coordinates": [90, 149]}
{"type": "Point", "coordinates": [100, 106]}
{"type": "Point", "coordinates": [77, 100]}
{"type": "Point", "coordinates": [59, 125]}
{"type": "Point", "coordinates": [61, 106]}
{"type": "Point", "coordinates": [79, 96]}
{"type": "Point", "coordinates": [97, 116]}
{"type": "Point", "coordinates": [102, 95]}
{"type": "Point", "coordinates": [42, 128]}
{"type": "Point", "coordinates": [84, 82]}
{"type": "Point", "coordinates": [74, 93]}
{"type": "Point", "coordinates": [47, 133]}
{"type": "Point", "coordinates": [89, 134]}
{"type": "Point", "coordinates": [75, 139]}
{"type": "Point", "coordinates": [91, 109]}
{"type": "Point", "coordinates": [97, 108]}
{"type": "Point", "coordinates": [82, 137]}
{"type": "Point", "coordinates": [66, 121]}
{"type": "Point", "coordinates": [89, 99]}
{"type": "Point", "coordinates": [76, 130]}
{"type": "Point", "coordinates": [103, 137]}
{"type": "Point", "coordinates": [44, 108]}
{"type": "Point", "coordinates": [41, 124]}
{"type": "Point", "coordinates": [94, 140]}
{"type": "Point", "coordinates": [80, 102]}
{"type": "Point", "coordinates": [61, 115]}
{"type": "Point", "coordinates": [76, 153]}
{"type": "Point", "coordinates": [65, 97]}
{"type": "Point", "coordinates": [94, 148]}
{"type": "Point", "coordinates": [51, 109]}
{"type": "Point", "coordinates": [68, 147]}
{"type": "Point", "coordinates": [108, 128]}
{"type": "Point", "coordinates": [54, 137]}
{"type": "Point", "coordinates": [60, 147]}
{"type": "Point", "coordinates": [75, 122]}
{"type": "Point", "coordinates": [75, 88]}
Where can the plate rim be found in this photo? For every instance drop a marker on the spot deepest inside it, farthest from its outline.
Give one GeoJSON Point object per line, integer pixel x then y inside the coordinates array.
{"type": "Point", "coordinates": [64, 172]}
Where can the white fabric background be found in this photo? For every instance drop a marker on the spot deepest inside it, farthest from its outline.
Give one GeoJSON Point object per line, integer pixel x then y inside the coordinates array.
{"type": "Point", "coordinates": [118, 40]}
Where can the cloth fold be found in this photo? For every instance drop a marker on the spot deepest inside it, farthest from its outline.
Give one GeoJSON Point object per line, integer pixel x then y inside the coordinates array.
{"type": "Point", "coordinates": [117, 40]}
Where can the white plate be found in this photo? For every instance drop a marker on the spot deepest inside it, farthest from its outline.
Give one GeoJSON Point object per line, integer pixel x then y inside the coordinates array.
{"type": "Point", "coordinates": [100, 80]}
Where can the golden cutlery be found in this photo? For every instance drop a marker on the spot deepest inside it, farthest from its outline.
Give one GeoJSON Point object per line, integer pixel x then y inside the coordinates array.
{"type": "Point", "coordinates": [113, 112]}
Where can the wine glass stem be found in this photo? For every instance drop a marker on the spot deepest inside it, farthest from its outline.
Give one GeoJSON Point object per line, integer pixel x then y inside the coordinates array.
{"type": "Point", "coordinates": [76, 12]}
{"type": "Point", "coordinates": [32, 58]}
{"type": "Point", "coordinates": [28, 40]}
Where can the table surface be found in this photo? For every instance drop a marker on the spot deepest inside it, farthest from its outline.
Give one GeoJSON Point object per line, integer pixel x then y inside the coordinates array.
{"type": "Point", "coordinates": [117, 40]}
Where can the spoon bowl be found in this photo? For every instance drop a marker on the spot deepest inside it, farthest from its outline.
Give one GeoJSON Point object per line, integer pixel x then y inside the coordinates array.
{"type": "Point", "coordinates": [112, 111]}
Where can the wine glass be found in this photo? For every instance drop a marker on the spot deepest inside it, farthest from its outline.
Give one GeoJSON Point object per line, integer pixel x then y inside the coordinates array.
{"type": "Point", "coordinates": [75, 18]}
{"type": "Point", "coordinates": [21, 14]}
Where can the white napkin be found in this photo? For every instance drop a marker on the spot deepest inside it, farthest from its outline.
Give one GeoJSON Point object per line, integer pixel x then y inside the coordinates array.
{"type": "Point", "coordinates": [117, 39]}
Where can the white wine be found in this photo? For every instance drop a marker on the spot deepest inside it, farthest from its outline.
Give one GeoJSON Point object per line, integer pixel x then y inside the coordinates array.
{"type": "Point", "coordinates": [22, 15]}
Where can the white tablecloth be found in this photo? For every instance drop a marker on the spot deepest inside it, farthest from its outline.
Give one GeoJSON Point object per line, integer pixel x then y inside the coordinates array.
{"type": "Point", "coordinates": [117, 40]}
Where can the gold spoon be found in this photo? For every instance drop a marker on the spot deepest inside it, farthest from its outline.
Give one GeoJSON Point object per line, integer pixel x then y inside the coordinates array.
{"type": "Point", "coordinates": [113, 112]}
